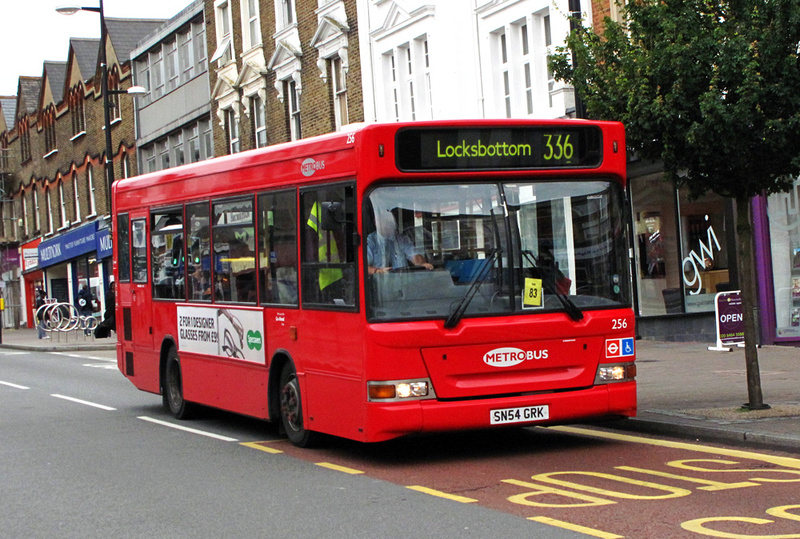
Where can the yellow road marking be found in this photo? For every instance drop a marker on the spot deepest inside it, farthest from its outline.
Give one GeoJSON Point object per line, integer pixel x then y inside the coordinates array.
{"type": "Point", "coordinates": [440, 494]}
{"type": "Point", "coordinates": [338, 468]}
{"type": "Point", "coordinates": [576, 528]}
{"type": "Point", "coordinates": [265, 448]}
{"type": "Point", "coordinates": [786, 462]}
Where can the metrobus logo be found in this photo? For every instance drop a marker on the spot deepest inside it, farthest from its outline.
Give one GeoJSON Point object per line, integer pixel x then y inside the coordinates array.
{"type": "Point", "coordinates": [508, 357]}
{"type": "Point", "coordinates": [310, 166]}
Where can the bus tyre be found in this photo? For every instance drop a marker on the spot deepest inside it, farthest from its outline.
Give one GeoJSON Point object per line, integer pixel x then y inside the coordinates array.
{"type": "Point", "coordinates": [172, 389]}
{"type": "Point", "coordinates": [292, 409]}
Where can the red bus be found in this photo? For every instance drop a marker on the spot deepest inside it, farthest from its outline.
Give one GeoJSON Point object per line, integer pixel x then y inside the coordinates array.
{"type": "Point", "coordinates": [388, 280]}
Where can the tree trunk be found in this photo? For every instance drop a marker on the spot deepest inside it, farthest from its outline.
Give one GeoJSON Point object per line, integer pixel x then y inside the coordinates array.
{"type": "Point", "coordinates": [747, 285]}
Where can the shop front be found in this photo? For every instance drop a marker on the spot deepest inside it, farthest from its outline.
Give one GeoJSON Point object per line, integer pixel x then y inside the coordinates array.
{"type": "Point", "coordinates": [778, 258]}
{"type": "Point", "coordinates": [33, 280]}
{"type": "Point", "coordinates": [78, 257]}
{"type": "Point", "coordinates": [684, 254]}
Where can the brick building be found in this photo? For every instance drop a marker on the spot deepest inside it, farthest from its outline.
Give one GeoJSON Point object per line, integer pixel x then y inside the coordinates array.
{"type": "Point", "coordinates": [282, 71]}
{"type": "Point", "coordinates": [56, 196]}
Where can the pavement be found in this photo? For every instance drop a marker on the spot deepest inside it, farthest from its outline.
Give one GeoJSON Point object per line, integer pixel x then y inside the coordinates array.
{"type": "Point", "coordinates": [685, 389]}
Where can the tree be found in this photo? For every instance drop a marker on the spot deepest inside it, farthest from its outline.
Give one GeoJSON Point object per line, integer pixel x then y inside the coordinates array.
{"type": "Point", "coordinates": [709, 88]}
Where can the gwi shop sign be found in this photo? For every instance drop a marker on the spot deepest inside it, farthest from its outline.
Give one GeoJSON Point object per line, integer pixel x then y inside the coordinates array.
{"type": "Point", "coordinates": [730, 320]}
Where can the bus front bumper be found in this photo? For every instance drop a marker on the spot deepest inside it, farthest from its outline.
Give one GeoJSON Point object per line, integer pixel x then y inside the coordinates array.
{"type": "Point", "coordinates": [391, 420]}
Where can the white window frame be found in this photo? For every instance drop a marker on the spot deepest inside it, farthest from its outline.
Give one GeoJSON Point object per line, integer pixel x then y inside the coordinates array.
{"type": "Point", "coordinates": [37, 217]}
{"type": "Point", "coordinates": [224, 25]}
{"type": "Point", "coordinates": [339, 91]}
{"type": "Point", "coordinates": [63, 203]}
{"type": "Point", "coordinates": [285, 13]}
{"type": "Point", "coordinates": [171, 64]}
{"type": "Point", "coordinates": [233, 131]}
{"type": "Point", "coordinates": [77, 198]}
{"type": "Point", "coordinates": [293, 109]}
{"type": "Point", "coordinates": [259, 121]}
{"type": "Point", "coordinates": [91, 191]}
{"type": "Point", "coordinates": [251, 24]}
{"type": "Point", "coordinates": [48, 202]}
{"type": "Point", "coordinates": [24, 213]}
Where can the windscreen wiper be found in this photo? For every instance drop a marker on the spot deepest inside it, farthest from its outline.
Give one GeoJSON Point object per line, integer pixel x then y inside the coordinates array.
{"type": "Point", "coordinates": [458, 313]}
{"type": "Point", "coordinates": [572, 310]}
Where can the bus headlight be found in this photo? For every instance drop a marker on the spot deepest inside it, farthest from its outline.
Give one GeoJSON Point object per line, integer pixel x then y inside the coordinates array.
{"type": "Point", "coordinates": [400, 390]}
{"type": "Point", "coordinates": [620, 372]}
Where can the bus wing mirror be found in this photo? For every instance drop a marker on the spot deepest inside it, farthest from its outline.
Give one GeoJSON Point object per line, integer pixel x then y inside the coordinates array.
{"type": "Point", "coordinates": [332, 215]}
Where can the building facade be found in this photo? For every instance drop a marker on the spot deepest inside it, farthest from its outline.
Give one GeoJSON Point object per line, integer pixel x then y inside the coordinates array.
{"type": "Point", "coordinates": [281, 70]}
{"type": "Point", "coordinates": [173, 121]}
{"type": "Point", "coordinates": [56, 189]}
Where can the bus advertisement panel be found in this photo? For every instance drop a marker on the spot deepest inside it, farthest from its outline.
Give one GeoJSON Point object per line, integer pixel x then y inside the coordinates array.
{"type": "Point", "coordinates": [389, 280]}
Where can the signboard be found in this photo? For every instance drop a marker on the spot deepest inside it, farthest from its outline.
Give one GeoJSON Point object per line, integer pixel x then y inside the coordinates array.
{"type": "Point", "coordinates": [30, 259]}
{"type": "Point", "coordinates": [501, 148]}
{"type": "Point", "coordinates": [74, 243]}
{"type": "Point", "coordinates": [730, 320]}
{"type": "Point", "coordinates": [225, 332]}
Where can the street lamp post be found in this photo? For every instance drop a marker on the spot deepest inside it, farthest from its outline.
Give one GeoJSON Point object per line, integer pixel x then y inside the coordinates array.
{"type": "Point", "coordinates": [133, 90]}
{"type": "Point", "coordinates": [575, 23]}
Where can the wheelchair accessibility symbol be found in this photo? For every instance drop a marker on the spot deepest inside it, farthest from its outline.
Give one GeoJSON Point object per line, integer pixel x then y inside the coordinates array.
{"type": "Point", "coordinates": [619, 347]}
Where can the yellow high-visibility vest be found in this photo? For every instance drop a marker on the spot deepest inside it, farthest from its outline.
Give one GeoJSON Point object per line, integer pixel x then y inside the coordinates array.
{"type": "Point", "coordinates": [327, 250]}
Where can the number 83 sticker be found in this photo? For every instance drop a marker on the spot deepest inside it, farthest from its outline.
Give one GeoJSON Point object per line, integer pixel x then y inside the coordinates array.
{"type": "Point", "coordinates": [532, 298]}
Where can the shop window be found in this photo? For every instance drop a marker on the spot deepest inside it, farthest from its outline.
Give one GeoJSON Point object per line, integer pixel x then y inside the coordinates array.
{"type": "Point", "coordinates": [277, 248]}
{"type": "Point", "coordinates": [681, 246]}
{"type": "Point", "coordinates": [233, 240]}
{"type": "Point", "coordinates": [704, 232]}
{"type": "Point", "coordinates": [659, 284]}
{"type": "Point", "coordinates": [167, 259]}
{"type": "Point", "coordinates": [783, 210]}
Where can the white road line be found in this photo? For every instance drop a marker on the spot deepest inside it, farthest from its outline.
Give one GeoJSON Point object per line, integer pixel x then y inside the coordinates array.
{"type": "Point", "coordinates": [108, 367]}
{"type": "Point", "coordinates": [79, 401]}
{"type": "Point", "coordinates": [16, 386]}
{"type": "Point", "coordinates": [80, 356]}
{"type": "Point", "coordinates": [187, 429]}
{"type": "Point", "coordinates": [9, 353]}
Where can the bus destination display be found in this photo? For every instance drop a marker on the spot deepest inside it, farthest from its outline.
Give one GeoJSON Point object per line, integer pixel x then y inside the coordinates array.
{"type": "Point", "coordinates": [499, 148]}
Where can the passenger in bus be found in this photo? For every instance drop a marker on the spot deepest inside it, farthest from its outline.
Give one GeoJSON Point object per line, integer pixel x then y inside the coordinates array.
{"type": "Point", "coordinates": [388, 250]}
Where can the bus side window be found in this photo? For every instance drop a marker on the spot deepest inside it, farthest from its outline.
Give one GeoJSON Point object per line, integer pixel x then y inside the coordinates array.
{"type": "Point", "coordinates": [139, 251]}
{"type": "Point", "coordinates": [233, 236]}
{"type": "Point", "coordinates": [198, 252]}
{"type": "Point", "coordinates": [328, 263]}
{"type": "Point", "coordinates": [167, 254]}
{"type": "Point", "coordinates": [277, 249]}
{"type": "Point", "coordinates": [123, 248]}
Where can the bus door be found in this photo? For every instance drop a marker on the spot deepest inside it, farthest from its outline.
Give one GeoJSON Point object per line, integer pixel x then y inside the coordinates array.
{"type": "Point", "coordinates": [135, 327]}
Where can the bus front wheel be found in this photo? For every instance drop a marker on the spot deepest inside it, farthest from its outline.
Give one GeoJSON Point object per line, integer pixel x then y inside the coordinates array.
{"type": "Point", "coordinates": [292, 408]}
{"type": "Point", "coordinates": [172, 390]}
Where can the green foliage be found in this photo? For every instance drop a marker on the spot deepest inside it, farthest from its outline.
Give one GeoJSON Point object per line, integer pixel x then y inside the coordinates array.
{"type": "Point", "coordinates": [710, 87]}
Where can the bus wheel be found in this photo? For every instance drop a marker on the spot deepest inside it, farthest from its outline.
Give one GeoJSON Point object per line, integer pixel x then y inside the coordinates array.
{"type": "Point", "coordinates": [292, 408]}
{"type": "Point", "coordinates": [172, 390]}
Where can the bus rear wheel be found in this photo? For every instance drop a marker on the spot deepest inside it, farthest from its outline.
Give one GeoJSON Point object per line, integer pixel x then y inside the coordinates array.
{"type": "Point", "coordinates": [291, 408]}
{"type": "Point", "coordinates": [172, 390]}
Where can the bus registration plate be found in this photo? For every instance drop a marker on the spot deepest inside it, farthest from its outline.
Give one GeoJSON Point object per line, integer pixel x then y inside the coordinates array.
{"type": "Point", "coordinates": [519, 415]}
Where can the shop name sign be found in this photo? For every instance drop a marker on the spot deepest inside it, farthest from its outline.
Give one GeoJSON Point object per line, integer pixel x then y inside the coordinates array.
{"type": "Point", "coordinates": [69, 245]}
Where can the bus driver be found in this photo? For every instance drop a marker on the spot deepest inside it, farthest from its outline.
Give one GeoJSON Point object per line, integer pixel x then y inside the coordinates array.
{"type": "Point", "coordinates": [388, 250]}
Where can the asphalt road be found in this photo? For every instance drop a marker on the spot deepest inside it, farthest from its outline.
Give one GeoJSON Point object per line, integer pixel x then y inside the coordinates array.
{"type": "Point", "coordinates": [85, 454]}
{"type": "Point", "coordinates": [94, 467]}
